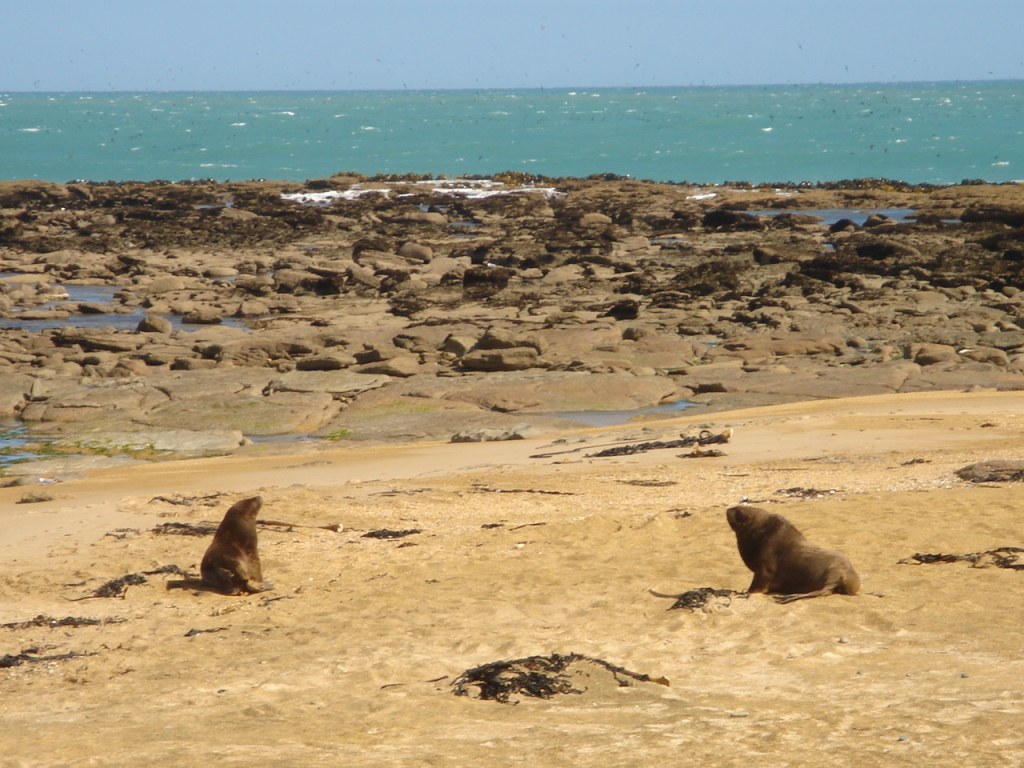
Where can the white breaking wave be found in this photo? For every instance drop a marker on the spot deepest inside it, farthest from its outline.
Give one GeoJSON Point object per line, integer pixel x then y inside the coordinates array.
{"type": "Point", "coordinates": [470, 189]}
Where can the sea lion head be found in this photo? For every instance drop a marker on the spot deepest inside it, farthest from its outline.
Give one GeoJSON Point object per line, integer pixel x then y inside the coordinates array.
{"type": "Point", "coordinates": [744, 517]}
{"type": "Point", "coordinates": [247, 509]}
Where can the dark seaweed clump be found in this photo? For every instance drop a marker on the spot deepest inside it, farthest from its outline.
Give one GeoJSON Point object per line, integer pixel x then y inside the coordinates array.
{"type": "Point", "coordinates": [541, 677]}
{"type": "Point", "coordinates": [696, 599]}
{"type": "Point", "coordinates": [1001, 557]}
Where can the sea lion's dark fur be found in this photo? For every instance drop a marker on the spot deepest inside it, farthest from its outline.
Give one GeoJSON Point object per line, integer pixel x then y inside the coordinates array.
{"type": "Point", "coordinates": [784, 562]}
{"type": "Point", "coordinates": [231, 564]}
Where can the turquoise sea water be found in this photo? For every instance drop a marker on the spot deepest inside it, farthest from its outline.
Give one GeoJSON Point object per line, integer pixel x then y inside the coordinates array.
{"type": "Point", "coordinates": [920, 132]}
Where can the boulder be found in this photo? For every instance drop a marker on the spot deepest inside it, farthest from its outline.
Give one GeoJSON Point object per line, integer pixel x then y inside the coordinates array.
{"type": "Point", "coordinates": [154, 324]}
{"type": "Point", "coordinates": [421, 254]}
{"type": "Point", "coordinates": [400, 365]}
{"type": "Point", "coordinates": [932, 354]}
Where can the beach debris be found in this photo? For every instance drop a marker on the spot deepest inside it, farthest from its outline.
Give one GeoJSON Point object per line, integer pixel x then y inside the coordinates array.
{"type": "Point", "coordinates": [119, 587]}
{"type": "Point", "coordinates": [68, 621]}
{"type": "Point", "coordinates": [700, 453]}
{"type": "Point", "coordinates": [1001, 557]}
{"type": "Point", "coordinates": [207, 528]}
{"type": "Point", "coordinates": [489, 489]}
{"type": "Point", "coordinates": [541, 677]}
{"type": "Point", "coordinates": [384, 533]}
{"type": "Point", "coordinates": [994, 471]}
{"type": "Point", "coordinates": [335, 527]}
{"type": "Point", "coordinates": [798, 492]}
{"type": "Point", "coordinates": [193, 632]}
{"type": "Point", "coordinates": [35, 497]}
{"type": "Point", "coordinates": [705, 437]}
{"type": "Point", "coordinates": [31, 655]}
{"type": "Point", "coordinates": [209, 500]}
{"type": "Point", "coordinates": [696, 599]}
{"type": "Point", "coordinates": [487, 435]}
{"type": "Point", "coordinates": [650, 483]}
{"type": "Point", "coordinates": [186, 529]}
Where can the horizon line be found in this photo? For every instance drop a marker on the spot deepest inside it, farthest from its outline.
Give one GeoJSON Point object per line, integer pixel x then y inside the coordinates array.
{"type": "Point", "coordinates": [453, 89]}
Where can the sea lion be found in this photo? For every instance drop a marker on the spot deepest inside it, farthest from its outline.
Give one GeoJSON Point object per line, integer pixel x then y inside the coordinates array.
{"type": "Point", "coordinates": [231, 564]}
{"type": "Point", "coordinates": [784, 562]}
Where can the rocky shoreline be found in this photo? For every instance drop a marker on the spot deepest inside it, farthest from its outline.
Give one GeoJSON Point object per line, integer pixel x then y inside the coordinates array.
{"type": "Point", "coordinates": [413, 308]}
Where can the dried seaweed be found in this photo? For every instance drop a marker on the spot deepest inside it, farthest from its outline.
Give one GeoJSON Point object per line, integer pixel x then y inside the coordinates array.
{"type": "Point", "coordinates": [30, 655]}
{"type": "Point", "coordinates": [619, 449]}
{"type": "Point", "coordinates": [487, 489]}
{"type": "Point", "coordinates": [171, 568]}
{"type": "Point", "coordinates": [67, 621]}
{"type": "Point", "coordinates": [193, 632]}
{"type": "Point", "coordinates": [541, 677]}
{"type": "Point", "coordinates": [704, 438]}
{"type": "Point", "coordinates": [185, 529]}
{"type": "Point", "coordinates": [209, 500]}
{"type": "Point", "coordinates": [119, 587]}
{"type": "Point", "coordinates": [384, 533]}
{"type": "Point", "coordinates": [1001, 557]}
{"type": "Point", "coordinates": [120, 534]}
{"type": "Point", "coordinates": [695, 599]}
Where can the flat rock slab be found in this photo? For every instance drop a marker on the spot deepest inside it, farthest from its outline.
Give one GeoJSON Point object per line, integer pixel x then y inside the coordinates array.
{"type": "Point", "coordinates": [563, 391]}
{"type": "Point", "coordinates": [341, 383]}
{"type": "Point", "coordinates": [994, 471]}
{"type": "Point", "coordinates": [176, 441]}
{"type": "Point", "coordinates": [277, 414]}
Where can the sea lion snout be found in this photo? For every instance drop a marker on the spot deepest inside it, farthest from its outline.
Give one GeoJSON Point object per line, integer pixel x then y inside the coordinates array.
{"type": "Point", "coordinates": [738, 516]}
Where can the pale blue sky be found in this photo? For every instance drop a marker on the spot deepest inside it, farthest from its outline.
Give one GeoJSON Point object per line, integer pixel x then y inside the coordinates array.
{"type": "Point", "coordinates": [57, 45]}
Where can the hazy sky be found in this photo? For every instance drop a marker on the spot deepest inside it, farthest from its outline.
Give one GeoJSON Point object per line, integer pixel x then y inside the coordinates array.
{"type": "Point", "coordinates": [54, 45]}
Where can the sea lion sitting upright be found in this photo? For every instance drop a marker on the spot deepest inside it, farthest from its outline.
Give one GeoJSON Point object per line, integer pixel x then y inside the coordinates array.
{"type": "Point", "coordinates": [784, 562]}
{"type": "Point", "coordinates": [231, 564]}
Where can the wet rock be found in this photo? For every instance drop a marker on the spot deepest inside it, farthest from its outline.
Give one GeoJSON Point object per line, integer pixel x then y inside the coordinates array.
{"type": "Point", "coordinates": [484, 281]}
{"type": "Point", "coordinates": [154, 324]}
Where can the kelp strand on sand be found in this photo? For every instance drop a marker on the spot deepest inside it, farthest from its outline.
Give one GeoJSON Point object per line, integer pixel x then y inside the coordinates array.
{"type": "Point", "coordinates": [1000, 557]}
{"type": "Point", "coordinates": [541, 677]}
{"type": "Point", "coordinates": [118, 587]}
{"type": "Point", "coordinates": [686, 441]}
{"type": "Point", "coordinates": [185, 529]}
{"type": "Point", "coordinates": [384, 533]}
{"type": "Point", "coordinates": [695, 599]}
{"type": "Point", "coordinates": [30, 655]}
{"type": "Point", "coordinates": [706, 437]}
{"type": "Point", "coordinates": [67, 621]}
{"type": "Point", "coordinates": [208, 500]}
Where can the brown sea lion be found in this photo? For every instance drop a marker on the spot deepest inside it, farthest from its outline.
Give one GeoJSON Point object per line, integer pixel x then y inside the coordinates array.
{"type": "Point", "coordinates": [231, 564]}
{"type": "Point", "coordinates": [784, 562]}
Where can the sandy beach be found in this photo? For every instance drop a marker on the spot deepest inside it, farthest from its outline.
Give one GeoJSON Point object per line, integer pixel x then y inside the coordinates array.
{"type": "Point", "coordinates": [523, 548]}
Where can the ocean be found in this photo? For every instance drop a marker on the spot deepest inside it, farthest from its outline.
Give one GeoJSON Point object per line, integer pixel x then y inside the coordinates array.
{"type": "Point", "coordinates": [938, 133]}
